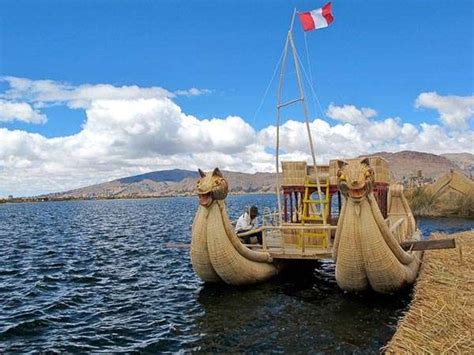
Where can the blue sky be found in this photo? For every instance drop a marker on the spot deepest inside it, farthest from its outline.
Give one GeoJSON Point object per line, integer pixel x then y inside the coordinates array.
{"type": "Point", "coordinates": [377, 54]}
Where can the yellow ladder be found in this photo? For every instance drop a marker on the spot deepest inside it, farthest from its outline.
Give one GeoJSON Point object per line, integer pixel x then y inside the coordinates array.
{"type": "Point", "coordinates": [310, 205]}
{"type": "Point", "coordinates": [312, 215]}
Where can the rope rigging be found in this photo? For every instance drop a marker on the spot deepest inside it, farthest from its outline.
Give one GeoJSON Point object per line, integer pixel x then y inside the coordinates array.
{"type": "Point", "coordinates": [297, 64]}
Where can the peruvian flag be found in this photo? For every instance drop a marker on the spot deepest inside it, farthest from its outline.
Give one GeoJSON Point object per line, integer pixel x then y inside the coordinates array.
{"type": "Point", "coordinates": [318, 18]}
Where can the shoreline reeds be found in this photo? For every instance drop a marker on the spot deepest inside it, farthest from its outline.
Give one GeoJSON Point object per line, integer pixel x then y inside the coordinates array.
{"type": "Point", "coordinates": [441, 315]}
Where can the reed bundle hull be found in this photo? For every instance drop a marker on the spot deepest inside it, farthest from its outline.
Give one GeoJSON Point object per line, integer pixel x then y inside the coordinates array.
{"type": "Point", "coordinates": [367, 253]}
{"type": "Point", "coordinates": [367, 248]}
{"type": "Point", "coordinates": [217, 254]}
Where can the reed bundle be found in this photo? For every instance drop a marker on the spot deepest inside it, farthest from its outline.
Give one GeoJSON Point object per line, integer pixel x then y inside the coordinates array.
{"type": "Point", "coordinates": [441, 315]}
{"type": "Point", "coordinates": [310, 238]}
{"type": "Point", "coordinates": [294, 173]}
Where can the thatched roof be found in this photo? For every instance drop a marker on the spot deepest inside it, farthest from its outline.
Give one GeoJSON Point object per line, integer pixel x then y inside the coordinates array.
{"type": "Point", "coordinates": [452, 180]}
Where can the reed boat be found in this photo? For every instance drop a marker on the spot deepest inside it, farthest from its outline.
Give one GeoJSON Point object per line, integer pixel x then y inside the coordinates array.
{"type": "Point", "coordinates": [217, 254]}
{"type": "Point", "coordinates": [358, 220]}
{"type": "Point", "coordinates": [346, 211]}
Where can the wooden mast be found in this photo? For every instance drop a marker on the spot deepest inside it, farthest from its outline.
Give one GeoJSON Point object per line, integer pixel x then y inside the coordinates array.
{"type": "Point", "coordinates": [280, 105]}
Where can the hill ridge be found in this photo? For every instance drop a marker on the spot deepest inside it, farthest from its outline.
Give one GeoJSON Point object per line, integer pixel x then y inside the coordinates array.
{"type": "Point", "coordinates": [177, 182]}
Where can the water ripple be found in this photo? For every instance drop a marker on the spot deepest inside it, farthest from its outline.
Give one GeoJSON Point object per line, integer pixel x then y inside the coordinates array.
{"type": "Point", "coordinates": [89, 276]}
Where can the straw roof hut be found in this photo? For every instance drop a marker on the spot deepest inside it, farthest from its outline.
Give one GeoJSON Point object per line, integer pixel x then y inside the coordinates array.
{"type": "Point", "coordinates": [453, 194]}
{"type": "Point", "coordinates": [452, 184]}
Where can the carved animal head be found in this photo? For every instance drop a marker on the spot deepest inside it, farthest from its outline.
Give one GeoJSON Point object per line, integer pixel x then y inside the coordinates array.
{"type": "Point", "coordinates": [355, 178]}
{"type": "Point", "coordinates": [211, 186]}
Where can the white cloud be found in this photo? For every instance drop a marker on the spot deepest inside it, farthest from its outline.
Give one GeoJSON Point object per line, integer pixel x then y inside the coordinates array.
{"type": "Point", "coordinates": [454, 111]}
{"type": "Point", "coordinates": [386, 130]}
{"type": "Point", "coordinates": [121, 137]}
{"type": "Point", "coordinates": [436, 139]}
{"type": "Point", "coordinates": [19, 111]}
{"type": "Point", "coordinates": [350, 114]}
{"type": "Point", "coordinates": [329, 141]}
{"type": "Point", "coordinates": [408, 133]}
{"type": "Point", "coordinates": [192, 92]}
{"type": "Point", "coordinates": [131, 130]}
{"type": "Point", "coordinates": [43, 92]}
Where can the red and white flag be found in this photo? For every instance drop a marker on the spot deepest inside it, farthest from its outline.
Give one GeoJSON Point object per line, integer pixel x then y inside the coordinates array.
{"type": "Point", "coordinates": [316, 19]}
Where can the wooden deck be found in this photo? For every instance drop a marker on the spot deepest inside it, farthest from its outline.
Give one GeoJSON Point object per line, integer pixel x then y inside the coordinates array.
{"type": "Point", "coordinates": [297, 253]}
{"type": "Point", "coordinates": [279, 250]}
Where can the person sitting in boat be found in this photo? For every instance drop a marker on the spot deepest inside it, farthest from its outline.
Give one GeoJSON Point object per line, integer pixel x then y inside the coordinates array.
{"type": "Point", "coordinates": [246, 226]}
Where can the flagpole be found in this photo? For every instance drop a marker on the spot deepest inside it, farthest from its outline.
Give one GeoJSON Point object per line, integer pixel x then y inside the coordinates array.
{"type": "Point", "coordinates": [292, 21]}
{"type": "Point", "coordinates": [305, 108]}
{"type": "Point", "coordinates": [290, 42]}
{"type": "Point", "coordinates": [306, 118]}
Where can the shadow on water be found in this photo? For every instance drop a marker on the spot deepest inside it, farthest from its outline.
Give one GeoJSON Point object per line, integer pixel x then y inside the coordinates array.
{"type": "Point", "coordinates": [298, 311]}
{"type": "Point", "coordinates": [97, 276]}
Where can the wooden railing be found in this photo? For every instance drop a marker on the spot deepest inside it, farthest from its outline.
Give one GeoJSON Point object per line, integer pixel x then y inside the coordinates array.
{"type": "Point", "coordinates": [397, 229]}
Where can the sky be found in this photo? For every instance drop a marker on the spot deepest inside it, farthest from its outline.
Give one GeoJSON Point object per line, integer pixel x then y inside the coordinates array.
{"type": "Point", "coordinates": [92, 91]}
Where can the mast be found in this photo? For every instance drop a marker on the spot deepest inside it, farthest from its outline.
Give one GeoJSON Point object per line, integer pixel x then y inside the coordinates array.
{"type": "Point", "coordinates": [280, 105]}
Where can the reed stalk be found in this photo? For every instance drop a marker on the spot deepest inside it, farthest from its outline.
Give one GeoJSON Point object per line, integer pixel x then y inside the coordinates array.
{"type": "Point", "coordinates": [441, 315]}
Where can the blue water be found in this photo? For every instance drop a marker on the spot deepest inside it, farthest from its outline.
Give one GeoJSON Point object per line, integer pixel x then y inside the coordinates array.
{"type": "Point", "coordinates": [102, 276]}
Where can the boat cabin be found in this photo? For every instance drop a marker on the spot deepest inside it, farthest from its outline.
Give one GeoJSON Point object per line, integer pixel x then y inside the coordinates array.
{"type": "Point", "coordinates": [310, 214]}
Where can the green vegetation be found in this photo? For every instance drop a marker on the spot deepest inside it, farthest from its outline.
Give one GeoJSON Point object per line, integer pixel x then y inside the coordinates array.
{"type": "Point", "coordinates": [464, 206]}
{"type": "Point", "coordinates": [422, 202]}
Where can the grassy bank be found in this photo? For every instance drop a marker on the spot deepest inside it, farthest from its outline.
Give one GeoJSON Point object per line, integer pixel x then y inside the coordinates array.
{"type": "Point", "coordinates": [441, 316]}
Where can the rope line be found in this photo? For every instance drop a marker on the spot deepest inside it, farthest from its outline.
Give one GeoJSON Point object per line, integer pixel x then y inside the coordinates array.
{"type": "Point", "coordinates": [313, 92]}
{"type": "Point", "coordinates": [307, 58]}
{"type": "Point", "coordinates": [257, 111]}
{"type": "Point", "coordinates": [313, 101]}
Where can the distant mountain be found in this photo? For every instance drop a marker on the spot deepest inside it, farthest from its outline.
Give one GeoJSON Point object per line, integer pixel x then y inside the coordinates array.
{"type": "Point", "coordinates": [174, 175]}
{"type": "Point", "coordinates": [149, 185]}
{"type": "Point", "coordinates": [408, 163]}
{"type": "Point", "coordinates": [465, 161]}
{"type": "Point", "coordinates": [183, 182]}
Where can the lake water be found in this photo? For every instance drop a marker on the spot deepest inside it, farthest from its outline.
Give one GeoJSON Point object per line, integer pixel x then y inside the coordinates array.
{"type": "Point", "coordinates": [100, 276]}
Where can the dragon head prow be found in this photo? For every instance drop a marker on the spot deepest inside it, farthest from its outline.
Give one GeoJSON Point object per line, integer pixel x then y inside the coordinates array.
{"type": "Point", "coordinates": [355, 178]}
{"type": "Point", "coordinates": [211, 186]}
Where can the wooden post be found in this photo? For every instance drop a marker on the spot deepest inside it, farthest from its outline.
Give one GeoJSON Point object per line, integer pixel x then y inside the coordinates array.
{"type": "Point", "coordinates": [329, 207]}
{"type": "Point", "coordinates": [428, 244]}
{"type": "Point", "coordinates": [296, 206]}
{"type": "Point", "coordinates": [339, 204]}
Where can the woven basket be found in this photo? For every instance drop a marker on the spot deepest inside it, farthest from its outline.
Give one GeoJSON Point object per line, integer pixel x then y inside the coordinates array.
{"type": "Point", "coordinates": [322, 170]}
{"type": "Point", "coordinates": [381, 169]}
{"type": "Point", "coordinates": [294, 173]}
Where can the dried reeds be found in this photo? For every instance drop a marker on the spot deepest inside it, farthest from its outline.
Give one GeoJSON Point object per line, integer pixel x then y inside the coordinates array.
{"type": "Point", "coordinates": [422, 201]}
{"type": "Point", "coordinates": [309, 237]}
{"type": "Point", "coordinates": [441, 315]}
{"type": "Point", "coordinates": [367, 253]}
{"type": "Point", "coordinates": [464, 206]}
{"type": "Point", "coordinates": [294, 173]}
{"type": "Point", "coordinates": [234, 263]}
